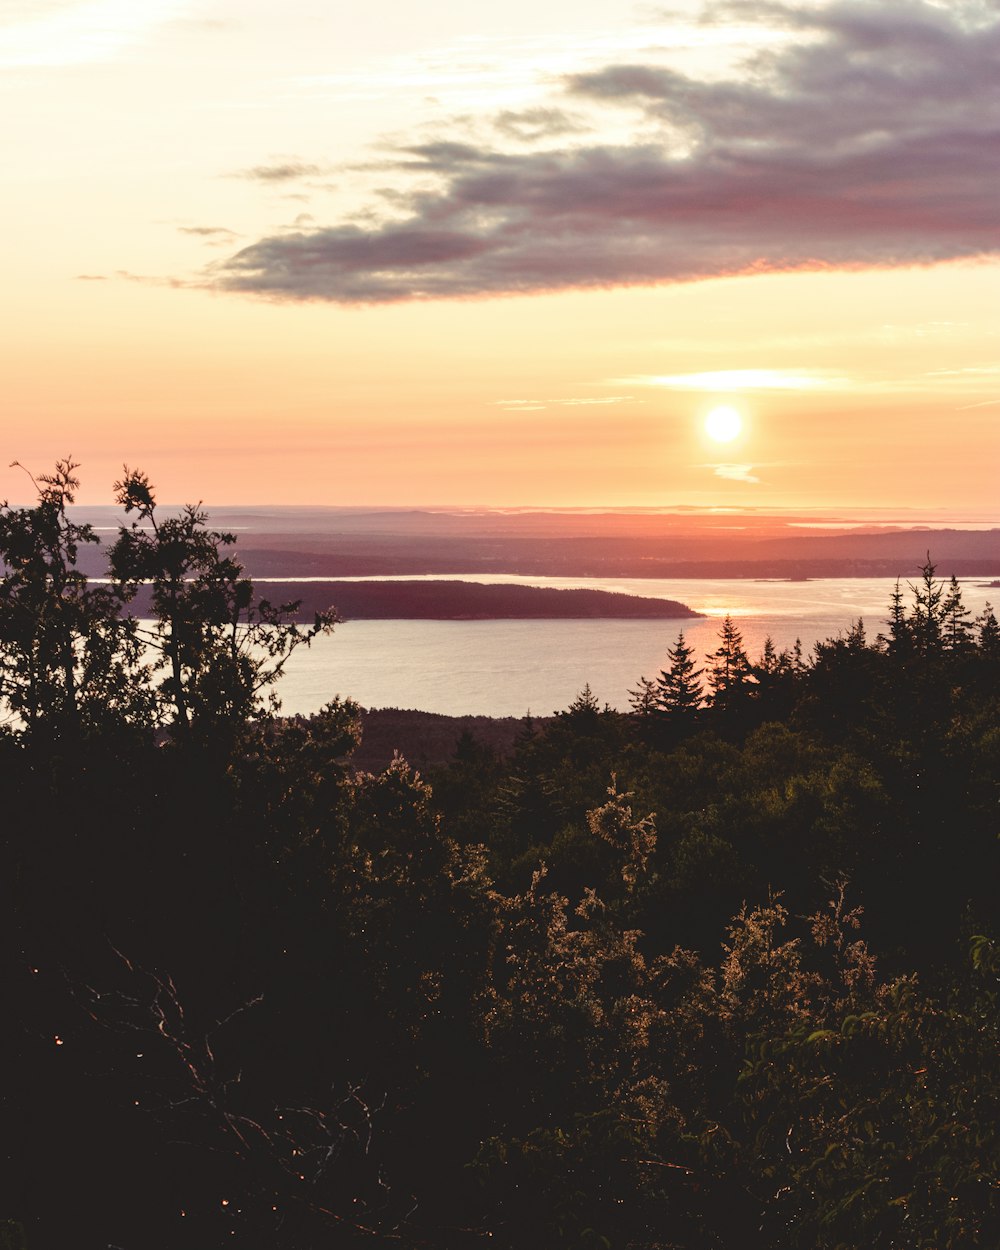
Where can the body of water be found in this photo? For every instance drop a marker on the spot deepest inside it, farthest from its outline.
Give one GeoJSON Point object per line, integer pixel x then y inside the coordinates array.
{"type": "Point", "coordinates": [508, 668]}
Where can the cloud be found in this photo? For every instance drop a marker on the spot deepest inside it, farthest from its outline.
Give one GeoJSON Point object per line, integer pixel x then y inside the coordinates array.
{"type": "Point", "coordinates": [145, 279]}
{"type": "Point", "coordinates": [536, 405]}
{"type": "Point", "coordinates": [530, 125]}
{"type": "Point", "coordinates": [586, 403]}
{"type": "Point", "coordinates": [967, 371]}
{"type": "Point", "coordinates": [91, 277]}
{"type": "Point", "coordinates": [735, 472]}
{"type": "Point", "coordinates": [281, 171]}
{"type": "Point", "coordinates": [212, 234]}
{"type": "Point", "coordinates": [741, 380]}
{"type": "Point", "coordinates": [866, 136]}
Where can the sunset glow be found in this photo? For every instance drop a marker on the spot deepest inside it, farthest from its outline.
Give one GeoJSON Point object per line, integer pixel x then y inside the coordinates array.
{"type": "Point", "coordinates": [723, 424]}
{"type": "Point", "coordinates": [504, 257]}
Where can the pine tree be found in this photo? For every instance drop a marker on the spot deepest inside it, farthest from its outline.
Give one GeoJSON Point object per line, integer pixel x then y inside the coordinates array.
{"type": "Point", "coordinates": [957, 630]}
{"type": "Point", "coordinates": [679, 692]}
{"type": "Point", "coordinates": [927, 618]}
{"type": "Point", "coordinates": [729, 672]}
{"type": "Point", "coordinates": [585, 704]}
{"type": "Point", "coordinates": [644, 699]}
{"type": "Point", "coordinates": [899, 641]}
{"type": "Point", "coordinates": [769, 662]}
{"type": "Point", "coordinates": [771, 670]}
{"type": "Point", "coordinates": [989, 632]}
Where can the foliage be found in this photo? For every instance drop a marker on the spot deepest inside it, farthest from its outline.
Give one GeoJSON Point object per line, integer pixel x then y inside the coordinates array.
{"type": "Point", "coordinates": [69, 662]}
{"type": "Point", "coordinates": [219, 648]}
{"type": "Point", "coordinates": [263, 997]}
{"type": "Point", "coordinates": [679, 693]}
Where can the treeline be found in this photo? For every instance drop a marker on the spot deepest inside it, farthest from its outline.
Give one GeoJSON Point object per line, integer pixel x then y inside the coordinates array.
{"type": "Point", "coordinates": [615, 989]}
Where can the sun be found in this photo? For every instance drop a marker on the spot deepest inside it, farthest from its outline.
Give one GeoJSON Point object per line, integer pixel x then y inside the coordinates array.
{"type": "Point", "coordinates": [723, 424]}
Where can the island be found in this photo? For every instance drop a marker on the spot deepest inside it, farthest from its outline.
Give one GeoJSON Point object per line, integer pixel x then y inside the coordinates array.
{"type": "Point", "coordinates": [448, 600]}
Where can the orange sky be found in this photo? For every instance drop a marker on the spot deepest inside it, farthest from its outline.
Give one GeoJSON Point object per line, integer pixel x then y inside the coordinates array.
{"type": "Point", "coordinates": [273, 256]}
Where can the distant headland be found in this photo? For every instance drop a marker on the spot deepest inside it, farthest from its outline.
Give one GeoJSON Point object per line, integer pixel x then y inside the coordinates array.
{"type": "Point", "coordinates": [448, 600]}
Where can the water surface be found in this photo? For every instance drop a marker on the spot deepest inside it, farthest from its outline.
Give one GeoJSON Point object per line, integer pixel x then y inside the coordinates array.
{"type": "Point", "coordinates": [508, 668]}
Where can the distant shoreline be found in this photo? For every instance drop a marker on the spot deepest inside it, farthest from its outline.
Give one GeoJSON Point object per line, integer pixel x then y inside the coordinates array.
{"type": "Point", "coordinates": [331, 545]}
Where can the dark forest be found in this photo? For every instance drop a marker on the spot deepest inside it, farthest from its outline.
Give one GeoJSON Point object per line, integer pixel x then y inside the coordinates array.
{"type": "Point", "coordinates": [717, 974]}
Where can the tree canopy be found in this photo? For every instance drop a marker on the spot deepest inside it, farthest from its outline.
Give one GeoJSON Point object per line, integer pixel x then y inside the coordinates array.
{"type": "Point", "coordinates": [719, 972]}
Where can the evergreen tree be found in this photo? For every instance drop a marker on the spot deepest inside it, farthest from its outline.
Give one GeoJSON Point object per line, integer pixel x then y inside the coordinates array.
{"type": "Point", "coordinates": [643, 700]}
{"type": "Point", "coordinates": [679, 692]}
{"type": "Point", "coordinates": [989, 631]}
{"type": "Point", "coordinates": [927, 617]}
{"type": "Point", "coordinates": [899, 641]}
{"type": "Point", "coordinates": [584, 707]}
{"type": "Point", "coordinates": [956, 626]}
{"type": "Point", "coordinates": [769, 662]}
{"type": "Point", "coordinates": [729, 671]}
{"type": "Point", "coordinates": [775, 676]}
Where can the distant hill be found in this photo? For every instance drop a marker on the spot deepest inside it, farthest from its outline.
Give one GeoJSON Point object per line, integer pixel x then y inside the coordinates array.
{"type": "Point", "coordinates": [597, 548]}
{"type": "Point", "coordinates": [337, 543]}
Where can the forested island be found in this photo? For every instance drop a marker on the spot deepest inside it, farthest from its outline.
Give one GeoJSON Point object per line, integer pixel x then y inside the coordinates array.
{"type": "Point", "coordinates": [720, 973]}
{"type": "Point", "coordinates": [455, 601]}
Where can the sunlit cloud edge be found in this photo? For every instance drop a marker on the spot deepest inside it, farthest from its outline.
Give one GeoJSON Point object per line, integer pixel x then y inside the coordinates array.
{"type": "Point", "coordinates": [732, 380]}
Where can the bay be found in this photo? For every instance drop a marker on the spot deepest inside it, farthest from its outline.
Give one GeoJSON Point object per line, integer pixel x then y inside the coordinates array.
{"type": "Point", "coordinates": [511, 668]}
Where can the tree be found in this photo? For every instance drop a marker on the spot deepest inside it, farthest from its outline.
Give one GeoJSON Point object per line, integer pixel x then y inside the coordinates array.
{"type": "Point", "coordinates": [644, 699]}
{"type": "Point", "coordinates": [928, 615]}
{"type": "Point", "coordinates": [221, 648]}
{"type": "Point", "coordinates": [899, 641]}
{"type": "Point", "coordinates": [729, 673]}
{"type": "Point", "coordinates": [777, 676]}
{"type": "Point", "coordinates": [68, 659]}
{"type": "Point", "coordinates": [989, 631]}
{"type": "Point", "coordinates": [956, 628]}
{"type": "Point", "coordinates": [769, 662]}
{"type": "Point", "coordinates": [633, 840]}
{"type": "Point", "coordinates": [679, 687]}
{"type": "Point", "coordinates": [585, 703]}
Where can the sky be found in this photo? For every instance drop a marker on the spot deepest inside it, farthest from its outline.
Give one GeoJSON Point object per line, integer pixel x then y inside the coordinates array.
{"type": "Point", "coordinates": [469, 254]}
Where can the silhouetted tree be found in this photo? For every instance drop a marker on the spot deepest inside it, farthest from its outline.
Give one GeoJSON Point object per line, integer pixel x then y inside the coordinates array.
{"type": "Point", "coordinates": [729, 671]}
{"type": "Point", "coordinates": [989, 632]}
{"type": "Point", "coordinates": [777, 675]}
{"type": "Point", "coordinates": [928, 614]}
{"type": "Point", "coordinates": [643, 700]}
{"type": "Point", "coordinates": [957, 629]}
{"type": "Point", "coordinates": [222, 648]}
{"type": "Point", "coordinates": [68, 660]}
{"type": "Point", "coordinates": [899, 640]}
{"type": "Point", "coordinates": [584, 706]}
{"type": "Point", "coordinates": [679, 692]}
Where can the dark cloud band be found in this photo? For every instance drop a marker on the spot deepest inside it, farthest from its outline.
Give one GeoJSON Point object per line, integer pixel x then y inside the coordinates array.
{"type": "Point", "coordinates": [872, 140]}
